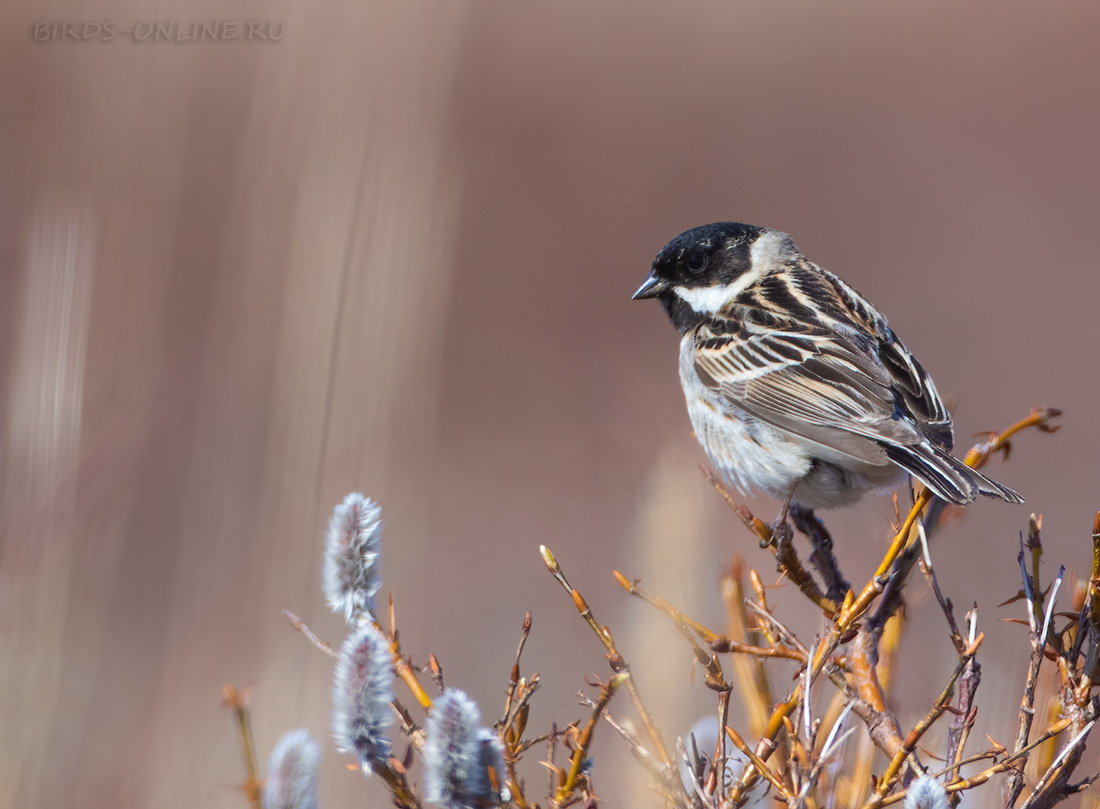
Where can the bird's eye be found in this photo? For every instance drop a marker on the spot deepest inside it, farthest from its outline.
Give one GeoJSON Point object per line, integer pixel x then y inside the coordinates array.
{"type": "Point", "coordinates": [697, 261]}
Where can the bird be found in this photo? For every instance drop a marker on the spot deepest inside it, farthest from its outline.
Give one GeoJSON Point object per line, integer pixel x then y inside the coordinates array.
{"type": "Point", "coordinates": [794, 382]}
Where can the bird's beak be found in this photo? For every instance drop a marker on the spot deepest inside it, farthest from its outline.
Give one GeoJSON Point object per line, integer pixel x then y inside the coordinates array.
{"type": "Point", "coordinates": [651, 287]}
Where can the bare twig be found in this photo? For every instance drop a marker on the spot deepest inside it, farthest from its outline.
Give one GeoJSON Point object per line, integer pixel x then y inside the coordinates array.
{"type": "Point", "coordinates": [644, 756]}
{"type": "Point", "coordinates": [617, 662]}
{"type": "Point", "coordinates": [551, 747]}
{"type": "Point", "coordinates": [980, 778]}
{"type": "Point", "coordinates": [513, 677]}
{"type": "Point", "coordinates": [300, 625]}
{"type": "Point", "coordinates": [1014, 783]}
{"type": "Point", "coordinates": [1063, 754]}
{"type": "Point", "coordinates": [518, 713]}
{"type": "Point", "coordinates": [945, 603]}
{"type": "Point", "coordinates": [758, 764]}
{"type": "Point", "coordinates": [752, 678]}
{"type": "Point", "coordinates": [976, 458]}
{"type": "Point", "coordinates": [886, 782]}
{"type": "Point", "coordinates": [717, 781]}
{"type": "Point", "coordinates": [780, 629]}
{"type": "Point", "coordinates": [584, 740]}
{"type": "Point", "coordinates": [1092, 657]}
{"type": "Point", "coordinates": [237, 702]}
{"type": "Point", "coordinates": [435, 668]}
{"type": "Point", "coordinates": [401, 665]}
{"type": "Point", "coordinates": [967, 711]}
{"type": "Point", "coordinates": [785, 556]}
{"type": "Point", "coordinates": [716, 642]}
{"type": "Point", "coordinates": [678, 618]}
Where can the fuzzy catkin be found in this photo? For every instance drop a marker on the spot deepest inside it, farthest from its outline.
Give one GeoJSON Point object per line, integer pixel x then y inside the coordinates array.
{"type": "Point", "coordinates": [926, 793]}
{"type": "Point", "coordinates": [361, 697]}
{"type": "Point", "coordinates": [458, 753]}
{"type": "Point", "coordinates": [490, 754]}
{"type": "Point", "coordinates": [352, 572]}
{"type": "Point", "coordinates": [292, 773]}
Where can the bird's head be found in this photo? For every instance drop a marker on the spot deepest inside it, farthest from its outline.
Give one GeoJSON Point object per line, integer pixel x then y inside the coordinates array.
{"type": "Point", "coordinates": [703, 270]}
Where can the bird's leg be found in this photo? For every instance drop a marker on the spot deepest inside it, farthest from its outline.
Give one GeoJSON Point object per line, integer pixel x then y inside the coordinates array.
{"type": "Point", "coordinates": [822, 557]}
{"type": "Point", "coordinates": [781, 529]}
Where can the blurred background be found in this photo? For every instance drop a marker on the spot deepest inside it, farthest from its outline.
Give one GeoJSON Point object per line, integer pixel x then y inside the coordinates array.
{"type": "Point", "coordinates": [393, 251]}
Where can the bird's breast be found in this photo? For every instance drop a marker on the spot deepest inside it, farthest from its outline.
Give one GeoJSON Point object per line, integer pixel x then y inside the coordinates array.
{"type": "Point", "coordinates": [745, 452]}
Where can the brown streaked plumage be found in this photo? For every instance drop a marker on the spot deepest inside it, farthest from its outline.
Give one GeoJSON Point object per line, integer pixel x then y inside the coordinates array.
{"type": "Point", "coordinates": [794, 382]}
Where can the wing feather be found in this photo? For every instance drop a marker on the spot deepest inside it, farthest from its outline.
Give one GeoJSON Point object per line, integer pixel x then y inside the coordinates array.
{"type": "Point", "coordinates": [824, 387]}
{"type": "Point", "coordinates": [841, 380]}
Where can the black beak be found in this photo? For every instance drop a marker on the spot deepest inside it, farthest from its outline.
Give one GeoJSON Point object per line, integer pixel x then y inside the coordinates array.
{"type": "Point", "coordinates": [651, 287]}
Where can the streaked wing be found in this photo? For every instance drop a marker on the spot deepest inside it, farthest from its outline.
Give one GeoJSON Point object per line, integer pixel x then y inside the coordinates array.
{"type": "Point", "coordinates": [805, 352]}
{"type": "Point", "coordinates": [917, 391]}
{"type": "Point", "coordinates": [821, 386]}
{"type": "Point", "coordinates": [847, 312]}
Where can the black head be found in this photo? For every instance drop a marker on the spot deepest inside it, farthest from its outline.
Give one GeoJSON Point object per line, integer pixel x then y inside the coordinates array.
{"type": "Point", "coordinates": [703, 269]}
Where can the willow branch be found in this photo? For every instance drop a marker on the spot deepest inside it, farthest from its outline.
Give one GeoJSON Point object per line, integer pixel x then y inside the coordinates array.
{"type": "Point", "coordinates": [617, 662]}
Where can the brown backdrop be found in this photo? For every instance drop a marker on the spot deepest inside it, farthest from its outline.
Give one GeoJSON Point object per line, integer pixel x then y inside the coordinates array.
{"type": "Point", "coordinates": [393, 252]}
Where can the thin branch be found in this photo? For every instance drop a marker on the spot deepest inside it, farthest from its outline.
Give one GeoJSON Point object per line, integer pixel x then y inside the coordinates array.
{"type": "Point", "coordinates": [785, 556]}
{"type": "Point", "coordinates": [237, 702]}
{"type": "Point", "coordinates": [946, 606]}
{"type": "Point", "coordinates": [519, 707]}
{"type": "Point", "coordinates": [1054, 765]}
{"type": "Point", "coordinates": [584, 740]}
{"type": "Point", "coordinates": [998, 768]}
{"type": "Point", "coordinates": [551, 747]}
{"type": "Point", "coordinates": [644, 756]}
{"type": "Point", "coordinates": [890, 775]}
{"type": "Point", "coordinates": [708, 635]}
{"type": "Point", "coordinates": [758, 763]}
{"type": "Point", "coordinates": [967, 711]}
{"type": "Point", "coordinates": [718, 771]}
{"type": "Point", "coordinates": [617, 662]}
{"type": "Point", "coordinates": [513, 678]}
{"type": "Point", "coordinates": [751, 677]}
{"type": "Point", "coordinates": [976, 458]}
{"type": "Point", "coordinates": [401, 665]}
{"type": "Point", "coordinates": [300, 625]}
{"type": "Point", "coordinates": [1014, 784]}
{"type": "Point", "coordinates": [717, 643]}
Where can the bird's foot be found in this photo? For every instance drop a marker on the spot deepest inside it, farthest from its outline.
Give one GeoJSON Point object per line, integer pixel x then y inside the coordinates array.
{"type": "Point", "coordinates": [782, 532]}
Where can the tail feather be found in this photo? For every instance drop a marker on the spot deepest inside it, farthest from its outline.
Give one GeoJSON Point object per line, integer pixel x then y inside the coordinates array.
{"type": "Point", "coordinates": [948, 477]}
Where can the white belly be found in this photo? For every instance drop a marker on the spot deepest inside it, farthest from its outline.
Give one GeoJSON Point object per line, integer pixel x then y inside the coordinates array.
{"type": "Point", "coordinates": [749, 454]}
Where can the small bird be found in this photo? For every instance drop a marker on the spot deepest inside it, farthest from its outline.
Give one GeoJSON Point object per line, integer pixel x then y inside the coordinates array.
{"type": "Point", "coordinates": [794, 382]}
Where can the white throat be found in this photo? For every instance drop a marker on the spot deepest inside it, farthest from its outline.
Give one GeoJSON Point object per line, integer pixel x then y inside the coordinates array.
{"type": "Point", "coordinates": [766, 254]}
{"type": "Point", "coordinates": [709, 300]}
